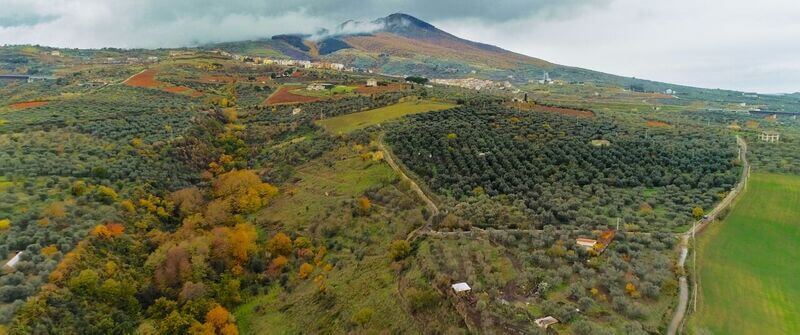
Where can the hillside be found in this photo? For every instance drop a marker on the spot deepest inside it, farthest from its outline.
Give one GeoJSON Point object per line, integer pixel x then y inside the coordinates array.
{"type": "Point", "coordinates": [197, 191]}
{"type": "Point", "coordinates": [401, 44]}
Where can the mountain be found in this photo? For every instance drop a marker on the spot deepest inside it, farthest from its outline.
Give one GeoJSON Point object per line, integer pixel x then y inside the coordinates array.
{"type": "Point", "coordinates": [400, 44]}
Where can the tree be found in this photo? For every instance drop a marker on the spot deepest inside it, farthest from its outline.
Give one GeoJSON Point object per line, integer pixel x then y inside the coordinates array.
{"type": "Point", "coordinates": [230, 114]}
{"type": "Point", "coordinates": [79, 188]}
{"type": "Point", "coordinates": [302, 242]}
{"type": "Point", "coordinates": [55, 210]}
{"type": "Point", "coordinates": [417, 80]}
{"type": "Point", "coordinates": [698, 212]}
{"type": "Point", "coordinates": [101, 231]}
{"type": "Point", "coordinates": [645, 208]}
{"type": "Point", "coordinates": [399, 250]}
{"type": "Point", "coordinates": [631, 289]}
{"type": "Point", "coordinates": [106, 194]}
{"type": "Point", "coordinates": [244, 190]}
{"type": "Point", "coordinates": [364, 205]}
{"type": "Point", "coordinates": [5, 224]}
{"type": "Point", "coordinates": [49, 250]}
{"type": "Point", "coordinates": [175, 268]}
{"type": "Point", "coordinates": [229, 329]}
{"type": "Point", "coordinates": [362, 316]}
{"type": "Point", "coordinates": [305, 270]}
{"type": "Point", "coordinates": [128, 206]}
{"type": "Point", "coordinates": [86, 282]}
{"type": "Point", "coordinates": [242, 239]}
{"type": "Point", "coordinates": [218, 316]}
{"type": "Point", "coordinates": [280, 244]}
{"type": "Point", "coordinates": [276, 266]}
{"type": "Point", "coordinates": [188, 200]}
{"type": "Point", "coordinates": [192, 291]}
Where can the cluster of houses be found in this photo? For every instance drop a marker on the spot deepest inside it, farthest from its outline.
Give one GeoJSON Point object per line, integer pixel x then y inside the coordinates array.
{"type": "Point", "coordinates": [305, 64]}
{"type": "Point", "coordinates": [371, 82]}
{"type": "Point", "coordinates": [475, 83]}
{"type": "Point", "coordinates": [25, 77]}
{"type": "Point", "coordinates": [121, 60]}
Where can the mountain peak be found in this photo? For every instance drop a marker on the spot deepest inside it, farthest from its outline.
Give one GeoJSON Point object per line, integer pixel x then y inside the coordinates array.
{"type": "Point", "coordinates": [401, 20]}
{"type": "Point", "coordinates": [408, 26]}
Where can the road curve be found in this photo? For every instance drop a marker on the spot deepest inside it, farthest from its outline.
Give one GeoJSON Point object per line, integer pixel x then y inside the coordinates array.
{"type": "Point", "coordinates": [683, 295]}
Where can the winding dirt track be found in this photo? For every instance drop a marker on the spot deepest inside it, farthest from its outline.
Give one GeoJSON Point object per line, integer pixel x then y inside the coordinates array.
{"type": "Point", "coordinates": [434, 210]}
{"type": "Point", "coordinates": [683, 295]}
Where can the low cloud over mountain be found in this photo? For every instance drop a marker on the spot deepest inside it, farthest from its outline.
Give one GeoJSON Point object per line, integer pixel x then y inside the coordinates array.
{"type": "Point", "coordinates": [717, 43]}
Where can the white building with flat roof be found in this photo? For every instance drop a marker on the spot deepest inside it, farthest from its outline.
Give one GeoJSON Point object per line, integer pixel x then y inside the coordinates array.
{"type": "Point", "coordinates": [461, 287]}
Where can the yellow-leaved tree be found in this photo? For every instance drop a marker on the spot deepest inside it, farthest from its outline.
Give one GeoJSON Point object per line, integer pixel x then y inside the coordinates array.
{"type": "Point", "coordinates": [244, 190]}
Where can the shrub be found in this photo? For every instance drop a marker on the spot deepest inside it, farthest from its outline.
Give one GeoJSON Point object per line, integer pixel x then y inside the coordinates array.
{"type": "Point", "coordinates": [399, 250]}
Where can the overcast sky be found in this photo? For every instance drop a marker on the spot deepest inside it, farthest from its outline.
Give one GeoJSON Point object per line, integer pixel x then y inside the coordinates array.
{"type": "Point", "coordinates": [736, 44]}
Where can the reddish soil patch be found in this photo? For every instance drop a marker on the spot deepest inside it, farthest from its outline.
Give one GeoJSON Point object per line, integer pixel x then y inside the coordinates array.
{"type": "Point", "coordinates": [657, 124]}
{"type": "Point", "coordinates": [297, 74]}
{"type": "Point", "coordinates": [217, 79]}
{"type": "Point", "coordinates": [28, 104]}
{"type": "Point", "coordinates": [145, 79]}
{"type": "Point", "coordinates": [565, 111]}
{"type": "Point", "coordinates": [284, 96]}
{"type": "Point", "coordinates": [380, 89]}
{"type": "Point", "coordinates": [176, 89]}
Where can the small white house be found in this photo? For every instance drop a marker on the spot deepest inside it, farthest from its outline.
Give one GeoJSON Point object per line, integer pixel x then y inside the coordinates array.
{"type": "Point", "coordinates": [461, 287]}
{"type": "Point", "coordinates": [372, 82]}
{"type": "Point", "coordinates": [296, 111]}
{"type": "Point", "coordinates": [14, 260]}
{"type": "Point", "coordinates": [586, 243]}
{"type": "Point", "coordinates": [319, 87]}
{"type": "Point", "coordinates": [770, 136]}
{"type": "Point", "coordinates": [545, 322]}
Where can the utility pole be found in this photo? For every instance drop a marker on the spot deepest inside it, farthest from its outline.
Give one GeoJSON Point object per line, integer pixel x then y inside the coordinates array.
{"type": "Point", "coordinates": [617, 224]}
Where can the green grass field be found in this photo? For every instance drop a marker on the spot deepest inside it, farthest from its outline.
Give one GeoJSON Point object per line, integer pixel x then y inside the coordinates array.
{"type": "Point", "coordinates": [749, 264]}
{"type": "Point", "coordinates": [347, 123]}
{"type": "Point", "coordinates": [338, 90]}
{"type": "Point", "coordinates": [322, 186]}
{"type": "Point", "coordinates": [362, 276]}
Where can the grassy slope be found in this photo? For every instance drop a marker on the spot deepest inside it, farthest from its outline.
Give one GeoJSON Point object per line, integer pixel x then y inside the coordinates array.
{"type": "Point", "coordinates": [355, 283]}
{"type": "Point", "coordinates": [350, 122]}
{"type": "Point", "coordinates": [345, 179]}
{"type": "Point", "coordinates": [750, 263]}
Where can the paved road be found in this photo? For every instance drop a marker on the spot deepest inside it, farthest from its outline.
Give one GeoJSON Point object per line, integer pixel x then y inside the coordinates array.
{"type": "Point", "coordinates": [683, 295]}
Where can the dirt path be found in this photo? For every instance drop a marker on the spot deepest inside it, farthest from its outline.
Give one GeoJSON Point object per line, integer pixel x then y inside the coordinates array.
{"type": "Point", "coordinates": [683, 295]}
{"type": "Point", "coordinates": [432, 208]}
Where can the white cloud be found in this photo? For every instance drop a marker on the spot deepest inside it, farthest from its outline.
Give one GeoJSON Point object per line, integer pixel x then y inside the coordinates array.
{"type": "Point", "coordinates": [735, 44]}
{"type": "Point", "coordinates": [738, 44]}
{"type": "Point", "coordinates": [99, 23]}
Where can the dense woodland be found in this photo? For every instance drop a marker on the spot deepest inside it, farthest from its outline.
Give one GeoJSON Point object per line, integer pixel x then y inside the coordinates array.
{"type": "Point", "coordinates": [535, 169]}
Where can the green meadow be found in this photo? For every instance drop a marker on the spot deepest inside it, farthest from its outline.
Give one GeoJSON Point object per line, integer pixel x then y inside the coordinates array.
{"type": "Point", "coordinates": [749, 264]}
{"type": "Point", "coordinates": [350, 122]}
